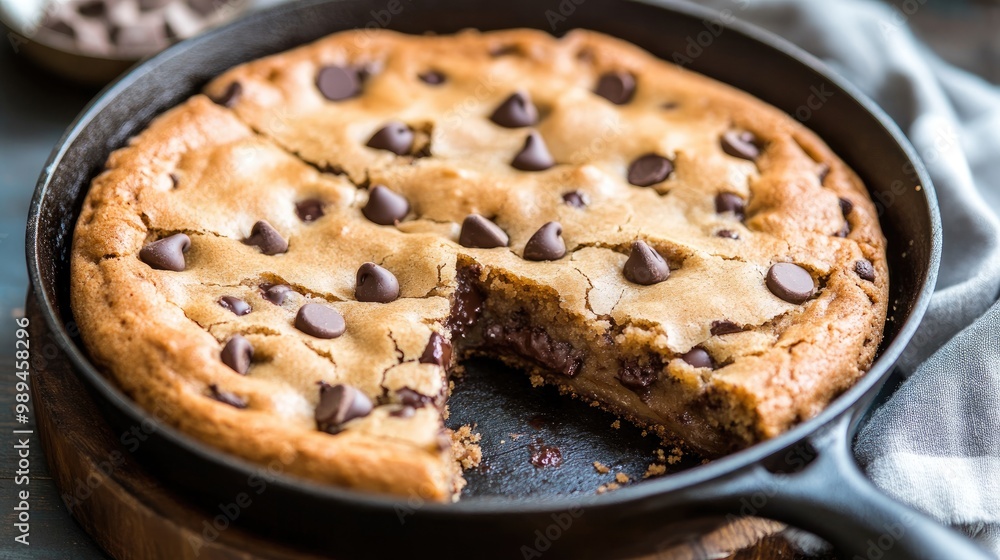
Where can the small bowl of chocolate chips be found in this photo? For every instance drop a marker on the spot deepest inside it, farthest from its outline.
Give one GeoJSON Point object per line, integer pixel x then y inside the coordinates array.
{"type": "Point", "coordinates": [93, 41]}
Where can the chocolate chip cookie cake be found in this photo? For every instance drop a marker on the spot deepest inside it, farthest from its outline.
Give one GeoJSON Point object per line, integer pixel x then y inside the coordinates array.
{"type": "Point", "coordinates": [290, 265]}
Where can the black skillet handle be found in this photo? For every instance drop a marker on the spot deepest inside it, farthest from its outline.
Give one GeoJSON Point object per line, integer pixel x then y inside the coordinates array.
{"type": "Point", "coordinates": [831, 498]}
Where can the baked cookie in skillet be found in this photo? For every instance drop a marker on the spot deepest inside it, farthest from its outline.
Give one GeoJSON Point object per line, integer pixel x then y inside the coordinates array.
{"type": "Point", "coordinates": [289, 265]}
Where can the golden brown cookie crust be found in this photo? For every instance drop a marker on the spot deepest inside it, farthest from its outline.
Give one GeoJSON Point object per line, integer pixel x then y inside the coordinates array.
{"type": "Point", "coordinates": [159, 333]}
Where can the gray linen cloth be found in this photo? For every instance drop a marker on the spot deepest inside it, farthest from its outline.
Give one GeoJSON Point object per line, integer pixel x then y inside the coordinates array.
{"type": "Point", "coordinates": [936, 444]}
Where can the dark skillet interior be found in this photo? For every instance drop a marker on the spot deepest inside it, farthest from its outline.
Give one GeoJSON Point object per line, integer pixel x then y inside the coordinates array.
{"type": "Point", "coordinates": [499, 401]}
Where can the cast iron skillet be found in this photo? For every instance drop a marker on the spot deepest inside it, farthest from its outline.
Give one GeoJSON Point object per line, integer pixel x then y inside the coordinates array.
{"type": "Point", "coordinates": [805, 477]}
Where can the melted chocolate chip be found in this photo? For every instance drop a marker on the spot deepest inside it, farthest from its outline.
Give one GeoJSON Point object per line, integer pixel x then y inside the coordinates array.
{"type": "Point", "coordinates": [437, 351]}
{"type": "Point", "coordinates": [167, 253]}
{"type": "Point", "coordinates": [432, 77]}
{"type": "Point", "coordinates": [730, 202]}
{"type": "Point", "coordinates": [546, 244]}
{"type": "Point", "coordinates": [480, 233]}
{"type": "Point", "coordinates": [235, 304]}
{"type": "Point", "coordinates": [534, 155]}
{"type": "Point", "coordinates": [276, 293]}
{"type": "Point", "coordinates": [515, 112]}
{"type": "Point", "coordinates": [237, 354]}
{"type": "Point", "coordinates": [395, 137]}
{"type": "Point", "coordinates": [404, 412]}
{"type": "Point", "coordinates": [225, 397]}
{"type": "Point", "coordinates": [727, 234]}
{"type": "Point", "coordinates": [231, 96]}
{"type": "Point", "coordinates": [514, 335]}
{"type": "Point", "coordinates": [384, 206]}
{"type": "Point", "coordinates": [864, 269]}
{"type": "Point", "coordinates": [741, 144]}
{"type": "Point", "coordinates": [723, 327]}
{"type": "Point", "coordinates": [467, 301]}
{"type": "Point", "coordinates": [337, 83]}
{"type": "Point", "coordinates": [637, 377]}
{"type": "Point", "coordinates": [576, 199]}
{"type": "Point", "coordinates": [339, 404]}
{"type": "Point", "coordinates": [790, 282]}
{"type": "Point", "coordinates": [644, 265]}
{"type": "Point", "coordinates": [617, 87]}
{"type": "Point", "coordinates": [698, 357]}
{"type": "Point", "coordinates": [846, 206]}
{"type": "Point", "coordinates": [320, 321]}
{"type": "Point", "coordinates": [309, 210]}
{"type": "Point", "coordinates": [545, 455]}
{"type": "Point", "coordinates": [411, 398]}
{"type": "Point", "coordinates": [376, 284]}
{"type": "Point", "coordinates": [649, 169]}
{"type": "Point", "coordinates": [267, 239]}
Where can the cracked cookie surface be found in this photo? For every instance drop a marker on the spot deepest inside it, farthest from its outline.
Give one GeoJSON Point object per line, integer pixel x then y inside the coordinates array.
{"type": "Point", "coordinates": [630, 231]}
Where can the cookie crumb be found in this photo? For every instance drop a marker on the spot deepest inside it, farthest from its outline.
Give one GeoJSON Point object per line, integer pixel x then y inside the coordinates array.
{"type": "Point", "coordinates": [661, 456]}
{"type": "Point", "coordinates": [622, 478]}
{"type": "Point", "coordinates": [675, 456]}
{"type": "Point", "coordinates": [537, 380]}
{"type": "Point", "coordinates": [594, 404]}
{"type": "Point", "coordinates": [644, 432]}
{"type": "Point", "coordinates": [616, 424]}
{"type": "Point", "coordinates": [465, 445]}
{"type": "Point", "coordinates": [607, 487]}
{"type": "Point", "coordinates": [514, 437]}
{"type": "Point", "coordinates": [601, 467]}
{"type": "Point", "coordinates": [655, 469]}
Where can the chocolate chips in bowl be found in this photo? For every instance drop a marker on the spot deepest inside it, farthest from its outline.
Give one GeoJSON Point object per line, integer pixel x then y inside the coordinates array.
{"type": "Point", "coordinates": [93, 41]}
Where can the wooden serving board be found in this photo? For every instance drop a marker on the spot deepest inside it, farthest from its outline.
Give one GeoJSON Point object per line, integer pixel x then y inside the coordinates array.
{"type": "Point", "coordinates": [132, 516]}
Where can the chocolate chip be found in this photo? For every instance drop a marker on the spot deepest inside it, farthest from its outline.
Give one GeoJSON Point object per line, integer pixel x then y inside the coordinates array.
{"type": "Point", "coordinates": [437, 351]}
{"type": "Point", "coordinates": [375, 284]}
{"type": "Point", "coordinates": [727, 234]}
{"type": "Point", "coordinates": [698, 357]}
{"type": "Point", "coordinates": [409, 397]}
{"type": "Point", "coordinates": [534, 155]}
{"type": "Point", "coordinates": [516, 111]}
{"type": "Point", "coordinates": [276, 293]}
{"type": "Point", "coordinates": [267, 239]}
{"type": "Point", "coordinates": [309, 210]}
{"type": "Point", "coordinates": [231, 96]}
{"type": "Point", "coordinates": [384, 206]}
{"type": "Point", "coordinates": [864, 269]}
{"type": "Point", "coordinates": [576, 199]}
{"type": "Point", "coordinates": [395, 137]}
{"type": "Point", "coordinates": [235, 304]}
{"type": "Point", "coordinates": [432, 77]}
{"type": "Point", "coordinates": [644, 265]}
{"type": "Point", "coordinates": [649, 169]}
{"type": "Point", "coordinates": [790, 282]}
{"type": "Point", "coordinates": [337, 83]}
{"type": "Point", "coordinates": [403, 412]}
{"type": "Point", "coordinates": [480, 233]}
{"type": "Point", "coordinates": [546, 244]}
{"type": "Point", "coordinates": [846, 206]}
{"type": "Point", "coordinates": [741, 144]}
{"type": "Point", "coordinates": [167, 253]}
{"type": "Point", "coordinates": [722, 327]}
{"type": "Point", "coordinates": [339, 404]}
{"type": "Point", "coordinates": [237, 354]}
{"type": "Point", "coordinates": [320, 321]}
{"type": "Point", "coordinates": [730, 202]}
{"type": "Point", "coordinates": [639, 377]}
{"type": "Point", "coordinates": [823, 173]}
{"type": "Point", "coordinates": [225, 397]}
{"type": "Point", "coordinates": [617, 87]}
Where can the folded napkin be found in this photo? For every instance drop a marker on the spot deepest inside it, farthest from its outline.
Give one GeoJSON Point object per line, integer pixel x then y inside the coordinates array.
{"type": "Point", "coordinates": [936, 443]}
